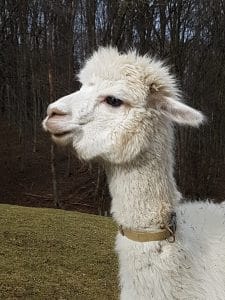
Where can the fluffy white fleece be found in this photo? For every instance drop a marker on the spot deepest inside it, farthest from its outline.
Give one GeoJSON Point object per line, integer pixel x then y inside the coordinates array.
{"type": "Point", "coordinates": [191, 268]}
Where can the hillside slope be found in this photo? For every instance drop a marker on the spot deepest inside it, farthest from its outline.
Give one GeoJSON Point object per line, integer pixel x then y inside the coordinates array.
{"type": "Point", "coordinates": [56, 254]}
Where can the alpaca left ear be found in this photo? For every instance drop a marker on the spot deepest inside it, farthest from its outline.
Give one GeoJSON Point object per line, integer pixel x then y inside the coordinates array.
{"type": "Point", "coordinates": [180, 112]}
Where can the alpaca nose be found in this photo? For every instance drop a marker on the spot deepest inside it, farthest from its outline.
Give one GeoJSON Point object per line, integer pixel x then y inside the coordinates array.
{"type": "Point", "coordinates": [58, 120]}
{"type": "Point", "coordinates": [55, 111]}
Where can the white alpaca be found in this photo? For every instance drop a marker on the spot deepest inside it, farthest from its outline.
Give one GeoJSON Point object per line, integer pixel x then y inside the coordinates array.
{"type": "Point", "coordinates": [123, 116]}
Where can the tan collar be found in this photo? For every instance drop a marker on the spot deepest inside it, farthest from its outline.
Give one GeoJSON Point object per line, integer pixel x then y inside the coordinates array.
{"type": "Point", "coordinates": [148, 236]}
{"type": "Point", "coordinates": [165, 233]}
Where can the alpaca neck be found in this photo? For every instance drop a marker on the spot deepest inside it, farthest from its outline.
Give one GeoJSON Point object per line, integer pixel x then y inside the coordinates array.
{"type": "Point", "coordinates": [143, 193]}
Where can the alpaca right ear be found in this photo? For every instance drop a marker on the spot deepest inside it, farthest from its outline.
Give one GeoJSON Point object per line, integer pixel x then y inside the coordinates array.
{"type": "Point", "coordinates": [180, 112]}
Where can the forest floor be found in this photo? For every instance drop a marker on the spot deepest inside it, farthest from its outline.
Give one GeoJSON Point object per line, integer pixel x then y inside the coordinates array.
{"type": "Point", "coordinates": [26, 179]}
{"type": "Point", "coordinates": [56, 254]}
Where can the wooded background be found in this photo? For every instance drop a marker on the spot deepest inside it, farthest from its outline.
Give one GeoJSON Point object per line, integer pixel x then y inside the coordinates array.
{"type": "Point", "coordinates": [43, 44]}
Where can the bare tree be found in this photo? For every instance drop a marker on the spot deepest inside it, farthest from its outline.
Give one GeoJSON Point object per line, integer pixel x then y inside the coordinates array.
{"type": "Point", "coordinates": [43, 44]}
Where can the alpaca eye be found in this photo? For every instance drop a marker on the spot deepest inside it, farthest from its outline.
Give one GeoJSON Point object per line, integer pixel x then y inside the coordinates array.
{"type": "Point", "coordinates": [115, 102]}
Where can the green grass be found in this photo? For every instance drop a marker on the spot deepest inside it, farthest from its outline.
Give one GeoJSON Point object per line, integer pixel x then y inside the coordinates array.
{"type": "Point", "coordinates": [56, 254]}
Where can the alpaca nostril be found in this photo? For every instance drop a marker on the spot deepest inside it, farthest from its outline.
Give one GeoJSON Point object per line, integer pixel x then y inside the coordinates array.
{"type": "Point", "coordinates": [58, 121]}
{"type": "Point", "coordinates": [53, 111]}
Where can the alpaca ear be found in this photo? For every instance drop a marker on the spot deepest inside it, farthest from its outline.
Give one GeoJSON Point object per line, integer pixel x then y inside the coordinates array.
{"type": "Point", "coordinates": [180, 112]}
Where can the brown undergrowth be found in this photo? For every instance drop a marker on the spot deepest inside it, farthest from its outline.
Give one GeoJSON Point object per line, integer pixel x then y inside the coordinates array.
{"type": "Point", "coordinates": [25, 175]}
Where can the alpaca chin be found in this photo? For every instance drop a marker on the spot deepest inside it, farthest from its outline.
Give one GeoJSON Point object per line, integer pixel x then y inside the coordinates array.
{"type": "Point", "coordinates": [63, 139]}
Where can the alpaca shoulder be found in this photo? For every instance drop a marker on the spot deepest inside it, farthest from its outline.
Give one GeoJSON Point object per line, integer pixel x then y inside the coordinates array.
{"type": "Point", "coordinates": [203, 220]}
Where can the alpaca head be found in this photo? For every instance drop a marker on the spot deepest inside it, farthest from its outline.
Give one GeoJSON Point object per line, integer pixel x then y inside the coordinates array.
{"type": "Point", "coordinates": [117, 114]}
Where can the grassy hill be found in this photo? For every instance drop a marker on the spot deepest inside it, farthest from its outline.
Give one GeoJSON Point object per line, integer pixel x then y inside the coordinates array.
{"type": "Point", "coordinates": [56, 254]}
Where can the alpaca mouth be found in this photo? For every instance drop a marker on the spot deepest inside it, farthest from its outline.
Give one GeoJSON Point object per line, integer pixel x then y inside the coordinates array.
{"type": "Point", "coordinates": [61, 134]}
